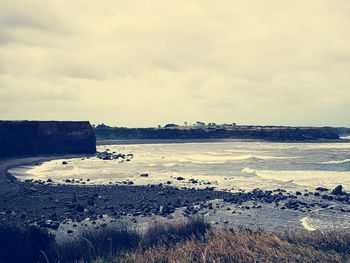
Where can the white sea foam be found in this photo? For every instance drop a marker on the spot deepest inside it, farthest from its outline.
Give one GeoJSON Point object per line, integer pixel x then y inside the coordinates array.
{"type": "Point", "coordinates": [243, 164]}
{"type": "Point", "coordinates": [337, 161]}
{"type": "Point", "coordinates": [247, 170]}
{"type": "Point", "coordinates": [306, 224]}
{"type": "Point", "coordinates": [217, 159]}
{"type": "Point", "coordinates": [308, 178]}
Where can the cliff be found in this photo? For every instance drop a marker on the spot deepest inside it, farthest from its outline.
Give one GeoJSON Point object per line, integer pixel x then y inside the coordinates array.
{"type": "Point", "coordinates": [241, 132]}
{"type": "Point", "coordinates": [19, 138]}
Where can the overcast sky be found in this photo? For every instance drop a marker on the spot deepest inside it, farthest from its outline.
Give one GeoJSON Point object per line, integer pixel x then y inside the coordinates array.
{"type": "Point", "coordinates": [143, 63]}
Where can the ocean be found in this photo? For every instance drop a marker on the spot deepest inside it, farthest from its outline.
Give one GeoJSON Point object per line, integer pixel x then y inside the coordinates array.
{"type": "Point", "coordinates": [229, 165]}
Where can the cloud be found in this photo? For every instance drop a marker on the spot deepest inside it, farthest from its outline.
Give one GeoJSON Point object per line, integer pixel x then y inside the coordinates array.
{"type": "Point", "coordinates": [144, 63]}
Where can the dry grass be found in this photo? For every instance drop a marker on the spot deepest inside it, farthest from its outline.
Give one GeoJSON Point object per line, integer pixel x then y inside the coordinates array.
{"type": "Point", "coordinates": [185, 241]}
{"type": "Point", "coordinates": [247, 246]}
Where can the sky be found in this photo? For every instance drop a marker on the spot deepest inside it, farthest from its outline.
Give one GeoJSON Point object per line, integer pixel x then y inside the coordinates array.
{"type": "Point", "coordinates": [140, 63]}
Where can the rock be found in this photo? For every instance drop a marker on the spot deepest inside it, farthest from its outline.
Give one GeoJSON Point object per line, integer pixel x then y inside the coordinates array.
{"type": "Point", "coordinates": [327, 197]}
{"type": "Point", "coordinates": [338, 190]}
{"type": "Point", "coordinates": [79, 208]}
{"type": "Point", "coordinates": [298, 193]}
{"type": "Point", "coordinates": [49, 180]}
{"type": "Point", "coordinates": [321, 189]}
{"type": "Point", "coordinates": [64, 162]}
{"type": "Point", "coordinates": [180, 178]}
{"type": "Point", "coordinates": [23, 215]}
{"type": "Point", "coordinates": [53, 217]}
{"type": "Point", "coordinates": [53, 225]}
{"type": "Point", "coordinates": [144, 175]}
{"type": "Point", "coordinates": [193, 181]}
{"type": "Point", "coordinates": [104, 155]}
{"type": "Point", "coordinates": [113, 156]}
{"type": "Point", "coordinates": [32, 189]}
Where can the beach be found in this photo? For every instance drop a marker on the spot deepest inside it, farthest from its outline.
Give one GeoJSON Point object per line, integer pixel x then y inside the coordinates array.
{"type": "Point", "coordinates": [68, 205]}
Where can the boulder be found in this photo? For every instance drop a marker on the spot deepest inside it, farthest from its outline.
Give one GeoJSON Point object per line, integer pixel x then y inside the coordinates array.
{"type": "Point", "coordinates": [338, 190]}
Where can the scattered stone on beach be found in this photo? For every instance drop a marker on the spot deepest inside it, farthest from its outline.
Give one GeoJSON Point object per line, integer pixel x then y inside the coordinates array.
{"type": "Point", "coordinates": [180, 178]}
{"type": "Point", "coordinates": [321, 189]}
{"type": "Point", "coordinates": [64, 162]}
{"type": "Point", "coordinates": [79, 208]}
{"type": "Point", "coordinates": [193, 181]}
{"type": "Point", "coordinates": [338, 190]}
{"type": "Point", "coordinates": [114, 156]}
{"type": "Point", "coordinates": [49, 180]}
{"type": "Point", "coordinates": [23, 215]}
{"type": "Point", "coordinates": [53, 225]}
{"type": "Point", "coordinates": [32, 189]}
{"type": "Point", "coordinates": [144, 175]}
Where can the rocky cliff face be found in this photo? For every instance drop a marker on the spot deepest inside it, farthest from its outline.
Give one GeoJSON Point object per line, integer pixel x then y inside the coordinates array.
{"type": "Point", "coordinates": [46, 137]}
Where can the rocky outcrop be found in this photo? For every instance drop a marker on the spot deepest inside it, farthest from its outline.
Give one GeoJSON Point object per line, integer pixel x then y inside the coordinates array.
{"type": "Point", "coordinates": [18, 138]}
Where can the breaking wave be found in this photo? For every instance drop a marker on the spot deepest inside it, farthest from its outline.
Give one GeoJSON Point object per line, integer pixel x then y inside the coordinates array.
{"type": "Point", "coordinates": [337, 162]}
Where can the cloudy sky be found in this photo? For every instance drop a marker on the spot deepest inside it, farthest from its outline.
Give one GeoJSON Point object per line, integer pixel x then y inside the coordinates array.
{"type": "Point", "coordinates": [143, 63]}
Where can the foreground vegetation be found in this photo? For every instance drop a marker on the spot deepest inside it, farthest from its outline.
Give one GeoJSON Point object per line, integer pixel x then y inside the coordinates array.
{"type": "Point", "coordinates": [248, 246]}
{"type": "Point", "coordinates": [186, 241]}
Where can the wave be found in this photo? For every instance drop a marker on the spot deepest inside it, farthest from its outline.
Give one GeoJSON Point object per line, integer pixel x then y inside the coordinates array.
{"type": "Point", "coordinates": [306, 224]}
{"type": "Point", "coordinates": [337, 162]}
{"type": "Point", "coordinates": [217, 159]}
{"type": "Point", "coordinates": [248, 170]}
{"type": "Point", "coordinates": [170, 164]}
{"type": "Point", "coordinates": [307, 178]}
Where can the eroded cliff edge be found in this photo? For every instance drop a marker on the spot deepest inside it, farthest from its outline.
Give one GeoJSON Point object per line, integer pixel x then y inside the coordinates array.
{"type": "Point", "coordinates": [19, 138]}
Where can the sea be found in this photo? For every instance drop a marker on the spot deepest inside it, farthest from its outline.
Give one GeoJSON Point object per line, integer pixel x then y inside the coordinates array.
{"type": "Point", "coordinates": [227, 165]}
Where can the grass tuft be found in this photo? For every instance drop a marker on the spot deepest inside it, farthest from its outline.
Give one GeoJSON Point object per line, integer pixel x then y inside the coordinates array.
{"type": "Point", "coordinates": [92, 243]}
{"type": "Point", "coordinates": [192, 240]}
{"type": "Point", "coordinates": [169, 233]}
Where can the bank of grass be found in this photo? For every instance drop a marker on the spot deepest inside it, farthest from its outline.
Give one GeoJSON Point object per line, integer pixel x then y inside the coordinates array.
{"type": "Point", "coordinates": [192, 240]}
{"type": "Point", "coordinates": [218, 245]}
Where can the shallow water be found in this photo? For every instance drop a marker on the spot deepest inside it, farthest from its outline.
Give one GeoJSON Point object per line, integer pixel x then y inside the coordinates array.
{"type": "Point", "coordinates": [226, 165]}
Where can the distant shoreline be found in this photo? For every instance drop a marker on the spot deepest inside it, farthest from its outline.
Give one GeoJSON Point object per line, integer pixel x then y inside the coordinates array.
{"type": "Point", "coordinates": [167, 141]}
{"type": "Point", "coordinates": [100, 142]}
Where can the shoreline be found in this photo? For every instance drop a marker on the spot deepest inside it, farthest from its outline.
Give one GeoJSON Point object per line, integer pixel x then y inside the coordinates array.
{"type": "Point", "coordinates": [6, 178]}
{"type": "Point", "coordinates": [100, 142]}
{"type": "Point", "coordinates": [49, 205]}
